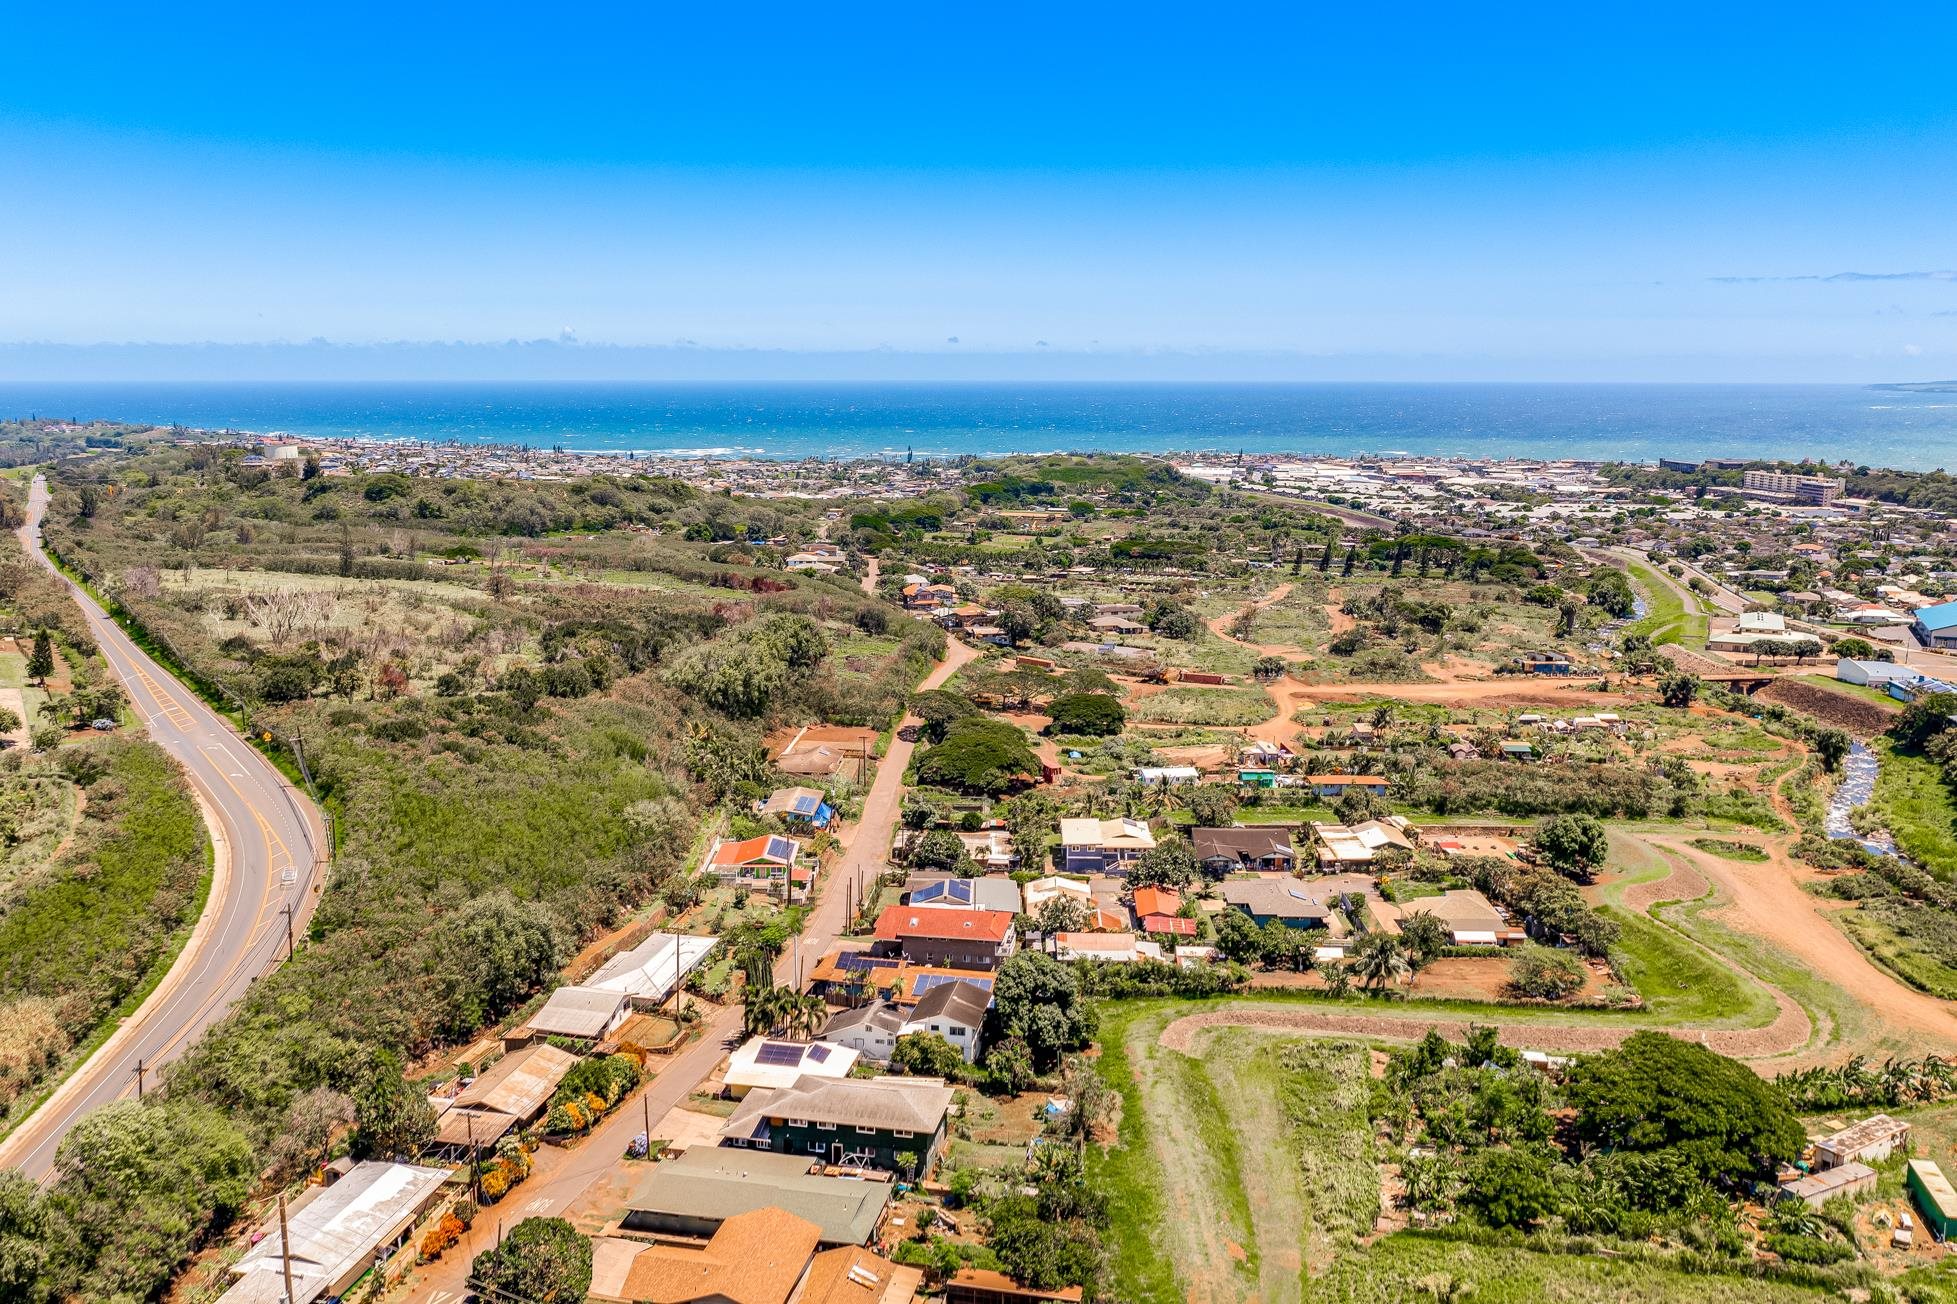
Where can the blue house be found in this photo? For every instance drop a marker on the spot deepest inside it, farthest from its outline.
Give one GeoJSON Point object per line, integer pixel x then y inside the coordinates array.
{"type": "Point", "coordinates": [1936, 626]}
{"type": "Point", "coordinates": [803, 806]}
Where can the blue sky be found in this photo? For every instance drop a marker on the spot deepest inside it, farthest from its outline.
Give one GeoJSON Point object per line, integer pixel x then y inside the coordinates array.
{"type": "Point", "coordinates": [1648, 193]}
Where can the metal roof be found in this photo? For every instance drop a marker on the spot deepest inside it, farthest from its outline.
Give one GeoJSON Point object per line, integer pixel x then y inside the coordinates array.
{"type": "Point", "coordinates": [521, 1082]}
{"type": "Point", "coordinates": [333, 1232]}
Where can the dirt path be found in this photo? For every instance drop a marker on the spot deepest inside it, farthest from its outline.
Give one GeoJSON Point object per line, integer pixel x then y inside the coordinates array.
{"type": "Point", "coordinates": [1221, 625]}
{"type": "Point", "coordinates": [1765, 900]}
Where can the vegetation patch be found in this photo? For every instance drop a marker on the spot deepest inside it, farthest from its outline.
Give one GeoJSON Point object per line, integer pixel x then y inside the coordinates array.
{"type": "Point", "coordinates": [1727, 849]}
{"type": "Point", "coordinates": [1188, 704]}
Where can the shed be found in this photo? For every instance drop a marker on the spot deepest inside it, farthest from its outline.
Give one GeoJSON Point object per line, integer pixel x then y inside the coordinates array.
{"type": "Point", "coordinates": [520, 1084]}
{"type": "Point", "coordinates": [1871, 1141]}
{"type": "Point", "coordinates": [1933, 1195]}
{"type": "Point", "coordinates": [1816, 1189]}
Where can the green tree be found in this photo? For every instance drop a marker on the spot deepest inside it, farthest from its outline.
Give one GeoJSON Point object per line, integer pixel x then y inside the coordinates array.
{"type": "Point", "coordinates": [492, 954]}
{"type": "Point", "coordinates": [1656, 1092]}
{"type": "Point", "coordinates": [940, 850]}
{"type": "Point", "coordinates": [1923, 719]}
{"type": "Point", "coordinates": [393, 1118]}
{"type": "Point", "coordinates": [40, 658]}
{"type": "Point", "coordinates": [1010, 1061]}
{"type": "Point", "coordinates": [1093, 714]}
{"type": "Point", "coordinates": [1039, 999]}
{"type": "Point", "coordinates": [1831, 745]}
{"type": "Point", "coordinates": [1357, 805]}
{"type": "Point", "coordinates": [31, 1236]}
{"type": "Point", "coordinates": [1169, 863]}
{"type": "Point", "coordinates": [1510, 1188]}
{"type": "Point", "coordinates": [140, 1184]}
{"type": "Point", "coordinates": [542, 1261]}
{"type": "Point", "coordinates": [926, 1055]}
{"type": "Point", "coordinates": [1677, 689]}
{"type": "Point", "coordinates": [1574, 845]}
{"type": "Point", "coordinates": [1544, 973]}
{"type": "Point", "coordinates": [979, 754]}
{"type": "Point", "coordinates": [1238, 937]}
{"type": "Point", "coordinates": [1213, 805]}
{"type": "Point", "coordinates": [937, 708]}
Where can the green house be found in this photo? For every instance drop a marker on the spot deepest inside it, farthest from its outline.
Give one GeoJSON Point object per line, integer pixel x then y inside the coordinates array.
{"type": "Point", "coordinates": [1257, 778]}
{"type": "Point", "coordinates": [1934, 1197]}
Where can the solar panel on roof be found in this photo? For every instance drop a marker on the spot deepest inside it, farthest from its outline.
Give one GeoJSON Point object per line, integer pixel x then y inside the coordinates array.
{"type": "Point", "coordinates": [864, 960]}
{"type": "Point", "coordinates": [780, 848]}
{"type": "Point", "coordinates": [819, 1053]}
{"type": "Point", "coordinates": [807, 805]}
{"type": "Point", "coordinates": [926, 981]}
{"type": "Point", "coordinates": [779, 1054]}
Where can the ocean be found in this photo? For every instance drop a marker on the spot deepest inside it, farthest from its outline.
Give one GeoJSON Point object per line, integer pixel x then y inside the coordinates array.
{"type": "Point", "coordinates": [1872, 426]}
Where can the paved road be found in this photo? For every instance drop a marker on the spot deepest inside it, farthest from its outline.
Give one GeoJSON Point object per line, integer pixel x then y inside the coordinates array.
{"type": "Point", "coordinates": [269, 842]}
{"type": "Point", "coordinates": [563, 1180]}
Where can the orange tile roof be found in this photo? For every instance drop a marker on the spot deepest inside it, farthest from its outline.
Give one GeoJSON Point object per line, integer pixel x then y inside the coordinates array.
{"type": "Point", "coordinates": [1156, 901]}
{"type": "Point", "coordinates": [754, 1258]}
{"type": "Point", "coordinates": [898, 922]}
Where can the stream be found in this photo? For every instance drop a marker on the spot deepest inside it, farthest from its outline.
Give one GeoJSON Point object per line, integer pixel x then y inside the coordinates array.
{"type": "Point", "coordinates": [1857, 786]}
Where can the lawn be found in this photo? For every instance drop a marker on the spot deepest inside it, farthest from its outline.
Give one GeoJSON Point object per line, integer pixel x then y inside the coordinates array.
{"type": "Point", "coordinates": [1915, 804]}
{"type": "Point", "coordinates": [1190, 704]}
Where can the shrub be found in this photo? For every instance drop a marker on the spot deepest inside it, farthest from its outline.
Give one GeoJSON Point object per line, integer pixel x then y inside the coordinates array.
{"type": "Point", "coordinates": [1095, 715]}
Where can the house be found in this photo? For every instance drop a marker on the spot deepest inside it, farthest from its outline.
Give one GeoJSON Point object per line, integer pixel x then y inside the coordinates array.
{"type": "Point", "coordinates": [1469, 917]}
{"type": "Point", "coordinates": [869, 1030]}
{"type": "Point", "coordinates": [991, 848]}
{"type": "Point", "coordinates": [1042, 890]}
{"type": "Point", "coordinates": [1295, 903]}
{"type": "Point", "coordinates": [1166, 776]}
{"type": "Point", "coordinates": [334, 1234]}
{"type": "Point", "coordinates": [520, 1084]}
{"type": "Point", "coordinates": [954, 1011]}
{"type": "Point", "coordinates": [1188, 957]}
{"type": "Point", "coordinates": [1933, 1196]}
{"type": "Point", "coordinates": [1116, 948]}
{"type": "Point", "coordinates": [1349, 846]}
{"type": "Point", "coordinates": [764, 863]}
{"type": "Point", "coordinates": [1870, 1141]}
{"type": "Point", "coordinates": [1362, 734]}
{"type": "Point", "coordinates": [851, 1122]}
{"type": "Point", "coordinates": [1094, 846]}
{"type": "Point", "coordinates": [1230, 851]}
{"type": "Point", "coordinates": [1817, 1188]}
{"type": "Point", "coordinates": [1518, 751]}
{"type": "Point", "coordinates": [969, 939]}
{"type": "Point", "coordinates": [1462, 750]}
{"type": "Point", "coordinates": [925, 597]}
{"type": "Point", "coordinates": [963, 894]}
{"type": "Point", "coordinates": [1338, 785]}
{"type": "Point", "coordinates": [812, 561]}
{"type": "Point", "coordinates": [1157, 909]}
{"type": "Point", "coordinates": [641, 978]}
{"type": "Point", "coordinates": [801, 807]}
{"type": "Point", "coordinates": [765, 1063]}
{"type": "Point", "coordinates": [1117, 625]}
{"type": "Point", "coordinates": [1252, 777]}
{"type": "Point", "coordinates": [1543, 663]}
{"type": "Point", "coordinates": [1936, 626]}
{"type": "Point", "coordinates": [1876, 674]}
{"type": "Point", "coordinates": [692, 1194]}
{"type": "Point", "coordinates": [764, 1256]}
{"type": "Point", "coordinates": [1264, 754]}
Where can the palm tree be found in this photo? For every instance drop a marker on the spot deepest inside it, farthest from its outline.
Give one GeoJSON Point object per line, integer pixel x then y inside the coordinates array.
{"type": "Point", "coordinates": [1380, 960]}
{"type": "Point", "coordinates": [763, 1008]}
{"type": "Point", "coordinates": [804, 1015]}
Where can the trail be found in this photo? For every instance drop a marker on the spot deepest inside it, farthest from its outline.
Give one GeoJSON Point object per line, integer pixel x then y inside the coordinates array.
{"type": "Point", "coordinates": [1220, 626]}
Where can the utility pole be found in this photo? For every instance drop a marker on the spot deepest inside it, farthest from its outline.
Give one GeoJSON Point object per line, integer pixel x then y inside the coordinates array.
{"type": "Point", "coordinates": [139, 1079]}
{"type": "Point", "coordinates": [645, 1109]}
{"type": "Point", "coordinates": [286, 910]}
{"type": "Point", "coordinates": [285, 1251]}
{"type": "Point", "coordinates": [475, 1163]}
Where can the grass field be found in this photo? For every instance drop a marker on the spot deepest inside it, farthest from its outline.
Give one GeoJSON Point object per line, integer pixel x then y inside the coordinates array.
{"type": "Point", "coordinates": [1270, 1148]}
{"type": "Point", "coordinates": [1188, 704]}
{"type": "Point", "coordinates": [1912, 939]}
{"type": "Point", "coordinates": [1912, 799]}
{"type": "Point", "coordinates": [1670, 616]}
